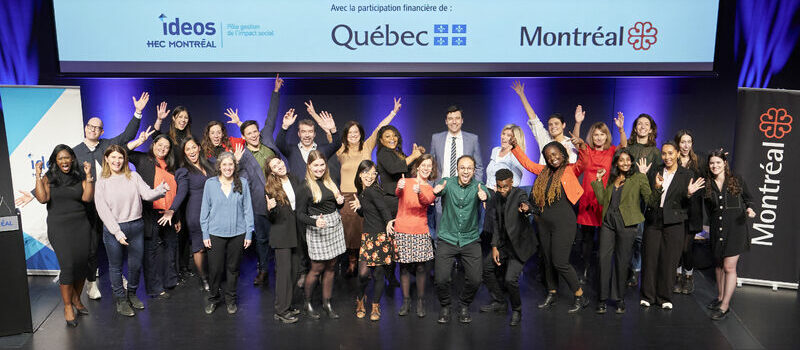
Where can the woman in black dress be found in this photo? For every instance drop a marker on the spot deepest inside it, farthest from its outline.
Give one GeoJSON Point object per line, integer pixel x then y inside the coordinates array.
{"type": "Point", "coordinates": [393, 163]}
{"type": "Point", "coordinates": [377, 250]}
{"type": "Point", "coordinates": [65, 189]}
{"type": "Point", "coordinates": [728, 204]}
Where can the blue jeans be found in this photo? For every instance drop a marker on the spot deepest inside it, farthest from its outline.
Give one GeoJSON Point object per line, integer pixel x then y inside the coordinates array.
{"type": "Point", "coordinates": [262, 241]}
{"type": "Point", "coordinates": [134, 233]}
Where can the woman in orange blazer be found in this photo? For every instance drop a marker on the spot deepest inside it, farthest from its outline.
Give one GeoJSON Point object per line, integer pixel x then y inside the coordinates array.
{"type": "Point", "coordinates": [555, 192]}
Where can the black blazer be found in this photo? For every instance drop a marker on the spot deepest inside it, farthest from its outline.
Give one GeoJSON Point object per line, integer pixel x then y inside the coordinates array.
{"type": "Point", "coordinates": [519, 228]}
{"type": "Point", "coordinates": [284, 230]}
{"type": "Point", "coordinates": [676, 204]}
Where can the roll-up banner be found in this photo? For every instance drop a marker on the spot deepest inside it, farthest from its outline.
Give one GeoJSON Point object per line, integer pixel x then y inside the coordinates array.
{"type": "Point", "coordinates": [767, 156]}
{"type": "Point", "coordinates": [37, 118]}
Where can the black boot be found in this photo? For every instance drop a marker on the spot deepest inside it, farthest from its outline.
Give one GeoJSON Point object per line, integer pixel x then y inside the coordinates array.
{"type": "Point", "coordinates": [309, 310]}
{"type": "Point", "coordinates": [494, 306]}
{"type": "Point", "coordinates": [463, 314]}
{"type": "Point", "coordinates": [678, 283]}
{"type": "Point", "coordinates": [688, 285]}
{"type": "Point", "coordinates": [420, 308]}
{"type": "Point", "coordinates": [516, 316]}
{"type": "Point", "coordinates": [326, 305]}
{"type": "Point", "coordinates": [580, 303]}
{"type": "Point", "coordinates": [444, 315]}
{"type": "Point", "coordinates": [124, 307]}
{"type": "Point", "coordinates": [134, 300]}
{"type": "Point", "coordinates": [549, 301]}
{"type": "Point", "coordinates": [405, 308]}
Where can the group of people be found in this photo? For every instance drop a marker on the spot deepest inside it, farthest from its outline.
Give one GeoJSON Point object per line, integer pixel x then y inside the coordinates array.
{"type": "Point", "coordinates": [215, 196]}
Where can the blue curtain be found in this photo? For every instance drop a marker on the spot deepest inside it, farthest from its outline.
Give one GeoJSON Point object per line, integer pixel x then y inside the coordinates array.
{"type": "Point", "coordinates": [765, 34]}
{"type": "Point", "coordinates": [18, 48]}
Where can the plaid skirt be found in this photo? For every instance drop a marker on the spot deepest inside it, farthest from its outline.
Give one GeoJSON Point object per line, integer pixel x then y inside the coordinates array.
{"type": "Point", "coordinates": [413, 248]}
{"type": "Point", "coordinates": [328, 242]}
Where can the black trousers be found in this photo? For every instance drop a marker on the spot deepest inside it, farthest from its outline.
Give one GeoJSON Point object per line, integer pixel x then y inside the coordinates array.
{"type": "Point", "coordinates": [686, 255]}
{"type": "Point", "coordinates": [556, 244]}
{"type": "Point", "coordinates": [284, 279]}
{"type": "Point", "coordinates": [662, 250]}
{"type": "Point", "coordinates": [470, 256]}
{"type": "Point", "coordinates": [510, 269]}
{"type": "Point", "coordinates": [223, 260]}
{"type": "Point", "coordinates": [95, 240]}
{"type": "Point", "coordinates": [615, 245]}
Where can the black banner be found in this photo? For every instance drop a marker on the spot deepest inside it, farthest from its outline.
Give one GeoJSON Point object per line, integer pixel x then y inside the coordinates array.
{"type": "Point", "coordinates": [767, 156]}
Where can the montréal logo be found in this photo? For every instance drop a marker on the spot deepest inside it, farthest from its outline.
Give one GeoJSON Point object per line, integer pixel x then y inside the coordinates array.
{"type": "Point", "coordinates": [641, 36]}
{"type": "Point", "coordinates": [775, 123]}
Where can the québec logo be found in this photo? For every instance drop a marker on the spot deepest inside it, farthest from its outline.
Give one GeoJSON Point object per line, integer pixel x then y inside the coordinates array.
{"type": "Point", "coordinates": [178, 27]}
{"type": "Point", "coordinates": [386, 35]}
{"type": "Point", "coordinates": [642, 36]}
{"type": "Point", "coordinates": [775, 123]}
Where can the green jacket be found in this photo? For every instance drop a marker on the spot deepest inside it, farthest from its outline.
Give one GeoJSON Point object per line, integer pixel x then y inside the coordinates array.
{"type": "Point", "coordinates": [636, 189]}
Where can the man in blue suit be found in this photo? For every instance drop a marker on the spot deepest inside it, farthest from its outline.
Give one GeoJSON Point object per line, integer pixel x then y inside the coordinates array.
{"type": "Point", "coordinates": [448, 146]}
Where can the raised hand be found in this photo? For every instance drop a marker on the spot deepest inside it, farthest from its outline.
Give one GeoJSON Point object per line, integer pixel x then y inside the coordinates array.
{"type": "Point", "coordinates": [310, 108]}
{"type": "Point", "coordinates": [750, 213]}
{"type": "Point", "coordinates": [694, 186]}
{"type": "Point", "coordinates": [439, 187]}
{"type": "Point", "coordinates": [166, 217]}
{"type": "Point", "coordinates": [326, 122]}
{"type": "Point", "coordinates": [23, 200]}
{"type": "Point", "coordinates": [401, 184]}
{"type": "Point", "coordinates": [161, 111]}
{"type": "Point", "coordinates": [271, 202]}
{"type": "Point", "coordinates": [141, 102]}
{"type": "Point", "coordinates": [580, 114]}
{"type": "Point", "coordinates": [340, 199]}
{"type": "Point", "coordinates": [278, 83]}
{"type": "Point", "coordinates": [577, 141]}
{"type": "Point", "coordinates": [601, 172]}
{"type": "Point", "coordinates": [417, 151]}
{"type": "Point", "coordinates": [659, 181]}
{"type": "Point", "coordinates": [87, 170]}
{"type": "Point", "coordinates": [390, 227]}
{"type": "Point", "coordinates": [321, 222]}
{"type": "Point", "coordinates": [643, 166]}
{"type": "Point", "coordinates": [518, 87]}
{"type": "Point", "coordinates": [355, 204]}
{"type": "Point", "coordinates": [144, 135]}
{"type": "Point", "coordinates": [38, 166]}
{"type": "Point", "coordinates": [234, 115]}
{"type": "Point", "coordinates": [238, 152]}
{"type": "Point", "coordinates": [619, 121]}
{"type": "Point", "coordinates": [289, 118]}
{"type": "Point", "coordinates": [397, 105]}
{"type": "Point", "coordinates": [524, 207]}
{"type": "Point", "coordinates": [482, 194]}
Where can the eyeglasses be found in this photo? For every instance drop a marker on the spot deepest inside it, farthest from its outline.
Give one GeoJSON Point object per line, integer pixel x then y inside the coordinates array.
{"type": "Point", "coordinates": [466, 168]}
{"type": "Point", "coordinates": [94, 127]}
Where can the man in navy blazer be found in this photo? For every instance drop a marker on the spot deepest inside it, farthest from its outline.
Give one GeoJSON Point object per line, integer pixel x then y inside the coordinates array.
{"type": "Point", "coordinates": [446, 147]}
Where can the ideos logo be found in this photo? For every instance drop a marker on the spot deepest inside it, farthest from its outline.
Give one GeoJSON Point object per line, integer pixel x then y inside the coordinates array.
{"type": "Point", "coordinates": [178, 27]}
{"type": "Point", "coordinates": [641, 36]}
{"type": "Point", "coordinates": [775, 123]}
{"type": "Point", "coordinates": [385, 35]}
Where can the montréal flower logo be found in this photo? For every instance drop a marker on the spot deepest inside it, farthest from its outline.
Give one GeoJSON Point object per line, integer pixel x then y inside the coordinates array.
{"type": "Point", "coordinates": [642, 35]}
{"type": "Point", "coordinates": [775, 123]}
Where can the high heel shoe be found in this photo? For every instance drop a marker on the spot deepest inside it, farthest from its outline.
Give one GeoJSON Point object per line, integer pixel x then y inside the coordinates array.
{"type": "Point", "coordinates": [81, 312]}
{"type": "Point", "coordinates": [326, 305]}
{"type": "Point", "coordinates": [73, 323]}
{"type": "Point", "coordinates": [405, 308]}
{"type": "Point", "coordinates": [309, 310]}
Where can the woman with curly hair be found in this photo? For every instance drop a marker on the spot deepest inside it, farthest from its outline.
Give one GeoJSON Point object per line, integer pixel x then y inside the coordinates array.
{"type": "Point", "coordinates": [554, 193]}
{"type": "Point", "coordinates": [392, 163]}
{"type": "Point", "coordinates": [728, 204]}
{"type": "Point", "coordinates": [216, 140]}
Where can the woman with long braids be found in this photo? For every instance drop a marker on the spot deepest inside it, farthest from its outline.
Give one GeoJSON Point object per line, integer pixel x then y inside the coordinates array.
{"type": "Point", "coordinates": [317, 207]}
{"type": "Point", "coordinates": [664, 228]}
{"type": "Point", "coordinates": [191, 179]}
{"type": "Point", "coordinates": [226, 218]}
{"type": "Point", "coordinates": [280, 189]}
{"type": "Point", "coordinates": [687, 158]}
{"type": "Point", "coordinates": [598, 154]}
{"type": "Point", "coordinates": [354, 150]}
{"type": "Point", "coordinates": [377, 249]}
{"type": "Point", "coordinates": [620, 198]}
{"type": "Point", "coordinates": [554, 193]}
{"type": "Point", "coordinates": [66, 189]}
{"type": "Point", "coordinates": [728, 204]}
{"type": "Point", "coordinates": [411, 233]}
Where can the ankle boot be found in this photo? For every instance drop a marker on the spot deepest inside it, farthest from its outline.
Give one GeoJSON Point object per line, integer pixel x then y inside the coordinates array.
{"type": "Point", "coordinates": [405, 308]}
{"type": "Point", "coordinates": [375, 315]}
{"type": "Point", "coordinates": [549, 301]}
{"type": "Point", "coordinates": [326, 305]}
{"type": "Point", "coordinates": [678, 283]}
{"type": "Point", "coordinates": [580, 303]}
{"type": "Point", "coordinates": [420, 308]}
{"type": "Point", "coordinates": [134, 300]}
{"type": "Point", "coordinates": [688, 285]}
{"type": "Point", "coordinates": [309, 310]}
{"type": "Point", "coordinates": [124, 307]}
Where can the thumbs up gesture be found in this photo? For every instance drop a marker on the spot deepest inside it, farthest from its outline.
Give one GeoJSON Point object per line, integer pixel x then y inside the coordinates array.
{"type": "Point", "coordinates": [271, 202]}
{"type": "Point", "coordinates": [401, 184]}
{"type": "Point", "coordinates": [482, 194]}
{"type": "Point", "coordinates": [416, 185]}
{"type": "Point", "coordinates": [440, 187]}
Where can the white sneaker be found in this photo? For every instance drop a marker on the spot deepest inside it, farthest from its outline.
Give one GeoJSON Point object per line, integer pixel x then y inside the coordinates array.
{"type": "Point", "coordinates": [666, 306]}
{"type": "Point", "coordinates": [124, 282]}
{"type": "Point", "coordinates": [92, 291]}
{"type": "Point", "coordinates": [644, 303]}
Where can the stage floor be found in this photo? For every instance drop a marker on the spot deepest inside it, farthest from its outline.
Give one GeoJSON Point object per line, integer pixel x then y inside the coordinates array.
{"type": "Point", "coordinates": [761, 319]}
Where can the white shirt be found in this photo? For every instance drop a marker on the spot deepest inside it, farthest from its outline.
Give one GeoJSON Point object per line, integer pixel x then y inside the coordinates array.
{"type": "Point", "coordinates": [665, 185]}
{"type": "Point", "coordinates": [287, 188]}
{"type": "Point", "coordinates": [447, 145]}
{"type": "Point", "coordinates": [543, 138]}
{"type": "Point", "coordinates": [506, 162]}
{"type": "Point", "coordinates": [305, 153]}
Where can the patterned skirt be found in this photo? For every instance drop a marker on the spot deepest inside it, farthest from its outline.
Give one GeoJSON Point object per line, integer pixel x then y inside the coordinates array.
{"type": "Point", "coordinates": [413, 248]}
{"type": "Point", "coordinates": [328, 242]}
{"type": "Point", "coordinates": [376, 249]}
